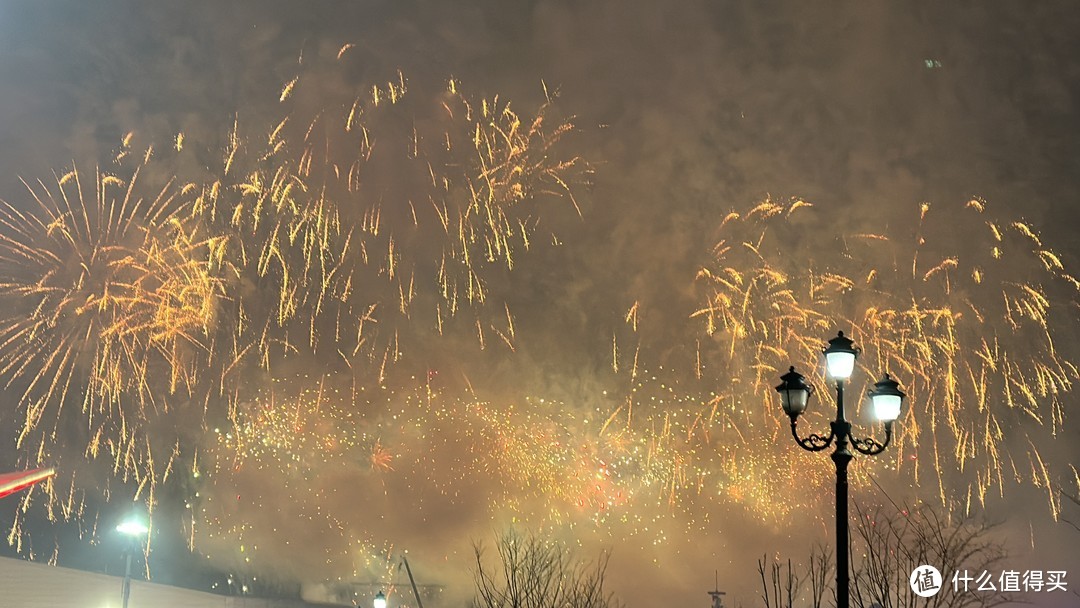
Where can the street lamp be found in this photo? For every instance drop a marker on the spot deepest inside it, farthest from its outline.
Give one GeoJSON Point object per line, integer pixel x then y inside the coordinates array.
{"type": "Point", "coordinates": [887, 399]}
{"type": "Point", "coordinates": [133, 529]}
{"type": "Point", "coordinates": [379, 601]}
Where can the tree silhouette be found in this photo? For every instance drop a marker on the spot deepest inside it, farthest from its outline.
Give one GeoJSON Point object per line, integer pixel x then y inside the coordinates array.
{"type": "Point", "coordinates": [886, 548]}
{"type": "Point", "coordinates": [532, 572]}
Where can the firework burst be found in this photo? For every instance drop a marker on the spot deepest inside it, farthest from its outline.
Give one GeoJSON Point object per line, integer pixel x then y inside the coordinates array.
{"type": "Point", "coordinates": [966, 321]}
{"type": "Point", "coordinates": [141, 312]}
{"type": "Point", "coordinates": [381, 210]}
{"type": "Point", "coordinates": [108, 310]}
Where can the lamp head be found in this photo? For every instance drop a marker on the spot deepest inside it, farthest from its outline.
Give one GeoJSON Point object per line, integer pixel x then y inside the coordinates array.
{"type": "Point", "coordinates": [379, 601]}
{"type": "Point", "coordinates": [840, 357]}
{"type": "Point", "coordinates": [794, 392]}
{"type": "Point", "coordinates": [887, 399]}
{"type": "Point", "coordinates": [132, 527]}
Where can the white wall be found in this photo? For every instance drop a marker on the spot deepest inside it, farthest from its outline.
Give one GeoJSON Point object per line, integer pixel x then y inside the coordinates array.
{"type": "Point", "coordinates": [30, 585]}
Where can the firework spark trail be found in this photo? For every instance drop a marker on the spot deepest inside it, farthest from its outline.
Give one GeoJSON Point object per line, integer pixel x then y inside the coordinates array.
{"type": "Point", "coordinates": [353, 216]}
{"type": "Point", "coordinates": [133, 302]}
{"type": "Point", "coordinates": [541, 464]}
{"type": "Point", "coordinates": [658, 460]}
{"type": "Point", "coordinates": [653, 476]}
{"type": "Point", "coordinates": [969, 330]}
{"type": "Point", "coordinates": [108, 310]}
{"type": "Point", "coordinates": [357, 228]}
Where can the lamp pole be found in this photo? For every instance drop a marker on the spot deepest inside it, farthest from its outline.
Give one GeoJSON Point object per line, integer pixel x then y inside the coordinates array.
{"type": "Point", "coordinates": [887, 399]}
{"type": "Point", "coordinates": [125, 592]}
{"type": "Point", "coordinates": [132, 529]}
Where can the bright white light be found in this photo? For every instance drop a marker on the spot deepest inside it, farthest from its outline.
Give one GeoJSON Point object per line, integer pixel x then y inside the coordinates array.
{"type": "Point", "coordinates": [887, 407]}
{"type": "Point", "coordinates": [132, 528]}
{"type": "Point", "coordinates": [840, 365]}
{"type": "Point", "coordinates": [380, 600]}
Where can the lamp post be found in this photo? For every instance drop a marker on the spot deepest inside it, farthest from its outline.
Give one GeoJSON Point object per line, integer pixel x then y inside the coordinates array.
{"type": "Point", "coordinates": [133, 529]}
{"type": "Point", "coordinates": [379, 601]}
{"type": "Point", "coordinates": [887, 399]}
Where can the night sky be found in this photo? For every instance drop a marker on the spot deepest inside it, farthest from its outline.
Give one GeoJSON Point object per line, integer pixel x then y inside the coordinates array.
{"type": "Point", "coordinates": [735, 182]}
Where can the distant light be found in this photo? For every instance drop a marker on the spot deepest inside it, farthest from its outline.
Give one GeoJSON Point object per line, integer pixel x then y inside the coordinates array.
{"type": "Point", "coordinates": [932, 63]}
{"type": "Point", "coordinates": [132, 528]}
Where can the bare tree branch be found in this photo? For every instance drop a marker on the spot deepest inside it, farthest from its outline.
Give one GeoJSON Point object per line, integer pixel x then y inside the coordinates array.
{"type": "Point", "coordinates": [530, 572]}
{"type": "Point", "coordinates": [886, 548]}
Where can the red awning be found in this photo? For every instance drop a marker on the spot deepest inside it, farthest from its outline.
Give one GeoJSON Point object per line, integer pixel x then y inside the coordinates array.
{"type": "Point", "coordinates": [13, 482]}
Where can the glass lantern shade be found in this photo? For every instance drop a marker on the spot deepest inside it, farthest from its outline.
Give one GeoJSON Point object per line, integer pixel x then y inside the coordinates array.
{"type": "Point", "coordinates": [794, 392]}
{"type": "Point", "coordinates": [887, 399]}
{"type": "Point", "coordinates": [840, 357]}
{"type": "Point", "coordinates": [380, 600]}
